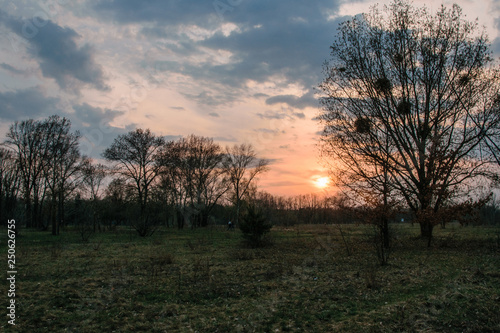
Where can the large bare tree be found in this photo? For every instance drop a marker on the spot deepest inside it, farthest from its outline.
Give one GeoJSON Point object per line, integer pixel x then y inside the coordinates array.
{"type": "Point", "coordinates": [63, 157]}
{"type": "Point", "coordinates": [192, 169]}
{"type": "Point", "coordinates": [408, 102]}
{"type": "Point", "coordinates": [93, 175]}
{"type": "Point", "coordinates": [135, 155]}
{"type": "Point", "coordinates": [28, 140]}
{"type": "Point", "coordinates": [9, 183]}
{"type": "Point", "coordinates": [242, 166]}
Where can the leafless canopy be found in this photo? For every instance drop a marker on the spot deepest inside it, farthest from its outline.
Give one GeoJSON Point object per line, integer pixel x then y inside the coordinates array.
{"type": "Point", "coordinates": [414, 95]}
{"type": "Point", "coordinates": [135, 155]}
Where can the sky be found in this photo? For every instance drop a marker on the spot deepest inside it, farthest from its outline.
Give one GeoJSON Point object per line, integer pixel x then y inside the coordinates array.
{"type": "Point", "coordinates": [238, 71]}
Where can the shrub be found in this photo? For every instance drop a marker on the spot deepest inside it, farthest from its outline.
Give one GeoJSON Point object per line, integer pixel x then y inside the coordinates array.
{"type": "Point", "coordinates": [254, 226]}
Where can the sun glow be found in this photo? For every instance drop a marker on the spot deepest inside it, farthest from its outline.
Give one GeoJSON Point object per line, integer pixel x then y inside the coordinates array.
{"type": "Point", "coordinates": [322, 182]}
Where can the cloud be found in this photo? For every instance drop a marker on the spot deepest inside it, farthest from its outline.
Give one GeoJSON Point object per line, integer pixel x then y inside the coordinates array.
{"type": "Point", "coordinates": [58, 54]}
{"type": "Point", "coordinates": [214, 114]}
{"type": "Point", "coordinates": [94, 124]}
{"type": "Point", "coordinates": [283, 114]}
{"type": "Point", "coordinates": [306, 100]}
{"type": "Point", "coordinates": [161, 12]}
{"type": "Point", "coordinates": [92, 116]}
{"type": "Point", "coordinates": [177, 108]}
{"type": "Point", "coordinates": [285, 183]}
{"type": "Point", "coordinates": [213, 97]}
{"type": "Point", "coordinates": [26, 103]}
{"type": "Point", "coordinates": [280, 46]}
{"type": "Point", "coordinates": [12, 69]}
{"type": "Point", "coordinates": [269, 131]}
{"type": "Point", "coordinates": [261, 40]}
{"type": "Point", "coordinates": [225, 139]}
{"type": "Point", "coordinates": [172, 137]}
{"type": "Point", "coordinates": [495, 45]}
{"type": "Point", "coordinates": [272, 115]}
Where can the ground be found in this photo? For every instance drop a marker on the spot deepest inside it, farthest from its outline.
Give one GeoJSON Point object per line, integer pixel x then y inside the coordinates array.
{"type": "Point", "coordinates": [322, 278]}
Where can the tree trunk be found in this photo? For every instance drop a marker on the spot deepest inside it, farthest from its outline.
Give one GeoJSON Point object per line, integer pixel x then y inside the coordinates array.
{"type": "Point", "coordinates": [28, 212]}
{"type": "Point", "coordinates": [426, 231]}
{"type": "Point", "coordinates": [238, 204]}
{"type": "Point", "coordinates": [53, 215]}
{"type": "Point", "coordinates": [180, 220]}
{"type": "Point", "coordinates": [385, 233]}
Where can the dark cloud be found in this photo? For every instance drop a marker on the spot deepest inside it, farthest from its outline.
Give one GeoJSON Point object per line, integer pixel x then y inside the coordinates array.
{"type": "Point", "coordinates": [93, 115]}
{"type": "Point", "coordinates": [269, 131]}
{"type": "Point", "coordinates": [94, 125]}
{"type": "Point", "coordinates": [495, 46]}
{"type": "Point", "coordinates": [58, 54]}
{"type": "Point", "coordinates": [172, 137]}
{"type": "Point", "coordinates": [180, 108]}
{"type": "Point", "coordinates": [283, 114]}
{"type": "Point", "coordinates": [286, 38]}
{"type": "Point", "coordinates": [11, 69]}
{"type": "Point", "coordinates": [281, 45]}
{"type": "Point", "coordinates": [213, 97]}
{"type": "Point", "coordinates": [274, 160]}
{"type": "Point", "coordinates": [161, 12]}
{"type": "Point", "coordinates": [272, 115]}
{"type": "Point", "coordinates": [306, 100]}
{"type": "Point", "coordinates": [26, 103]}
{"type": "Point", "coordinates": [259, 95]}
{"type": "Point", "coordinates": [214, 114]}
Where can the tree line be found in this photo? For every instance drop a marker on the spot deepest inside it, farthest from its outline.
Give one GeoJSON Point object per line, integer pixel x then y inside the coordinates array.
{"type": "Point", "coordinates": [148, 180]}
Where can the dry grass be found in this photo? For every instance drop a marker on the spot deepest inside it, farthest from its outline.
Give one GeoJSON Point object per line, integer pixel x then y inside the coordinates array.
{"type": "Point", "coordinates": [204, 281]}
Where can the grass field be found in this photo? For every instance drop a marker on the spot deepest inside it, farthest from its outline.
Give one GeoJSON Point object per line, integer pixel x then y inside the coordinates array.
{"type": "Point", "coordinates": [203, 280]}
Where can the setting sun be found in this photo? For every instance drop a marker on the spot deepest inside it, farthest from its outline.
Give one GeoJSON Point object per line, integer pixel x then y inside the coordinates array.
{"type": "Point", "coordinates": [322, 182]}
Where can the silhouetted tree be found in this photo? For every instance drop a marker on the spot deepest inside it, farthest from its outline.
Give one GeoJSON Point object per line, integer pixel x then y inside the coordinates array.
{"type": "Point", "coordinates": [93, 176]}
{"type": "Point", "coordinates": [192, 169]}
{"type": "Point", "coordinates": [9, 184]}
{"type": "Point", "coordinates": [410, 94]}
{"type": "Point", "coordinates": [63, 158]}
{"type": "Point", "coordinates": [254, 226]}
{"type": "Point", "coordinates": [242, 166]}
{"type": "Point", "coordinates": [135, 155]}
{"type": "Point", "coordinates": [116, 202]}
{"type": "Point", "coordinates": [28, 140]}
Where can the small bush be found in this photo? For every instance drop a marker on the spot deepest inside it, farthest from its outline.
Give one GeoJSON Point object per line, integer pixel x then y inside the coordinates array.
{"type": "Point", "coordinates": [254, 227]}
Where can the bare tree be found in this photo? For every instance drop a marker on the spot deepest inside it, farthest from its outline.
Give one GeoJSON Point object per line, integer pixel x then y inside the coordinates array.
{"type": "Point", "coordinates": [63, 158]}
{"type": "Point", "coordinates": [28, 140]}
{"type": "Point", "coordinates": [200, 163]}
{"type": "Point", "coordinates": [242, 166]}
{"type": "Point", "coordinates": [93, 177]}
{"type": "Point", "coordinates": [9, 183]}
{"type": "Point", "coordinates": [135, 155]}
{"type": "Point", "coordinates": [118, 197]}
{"type": "Point", "coordinates": [361, 169]}
{"type": "Point", "coordinates": [193, 166]}
{"type": "Point", "coordinates": [407, 95]}
{"type": "Point", "coordinates": [173, 186]}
